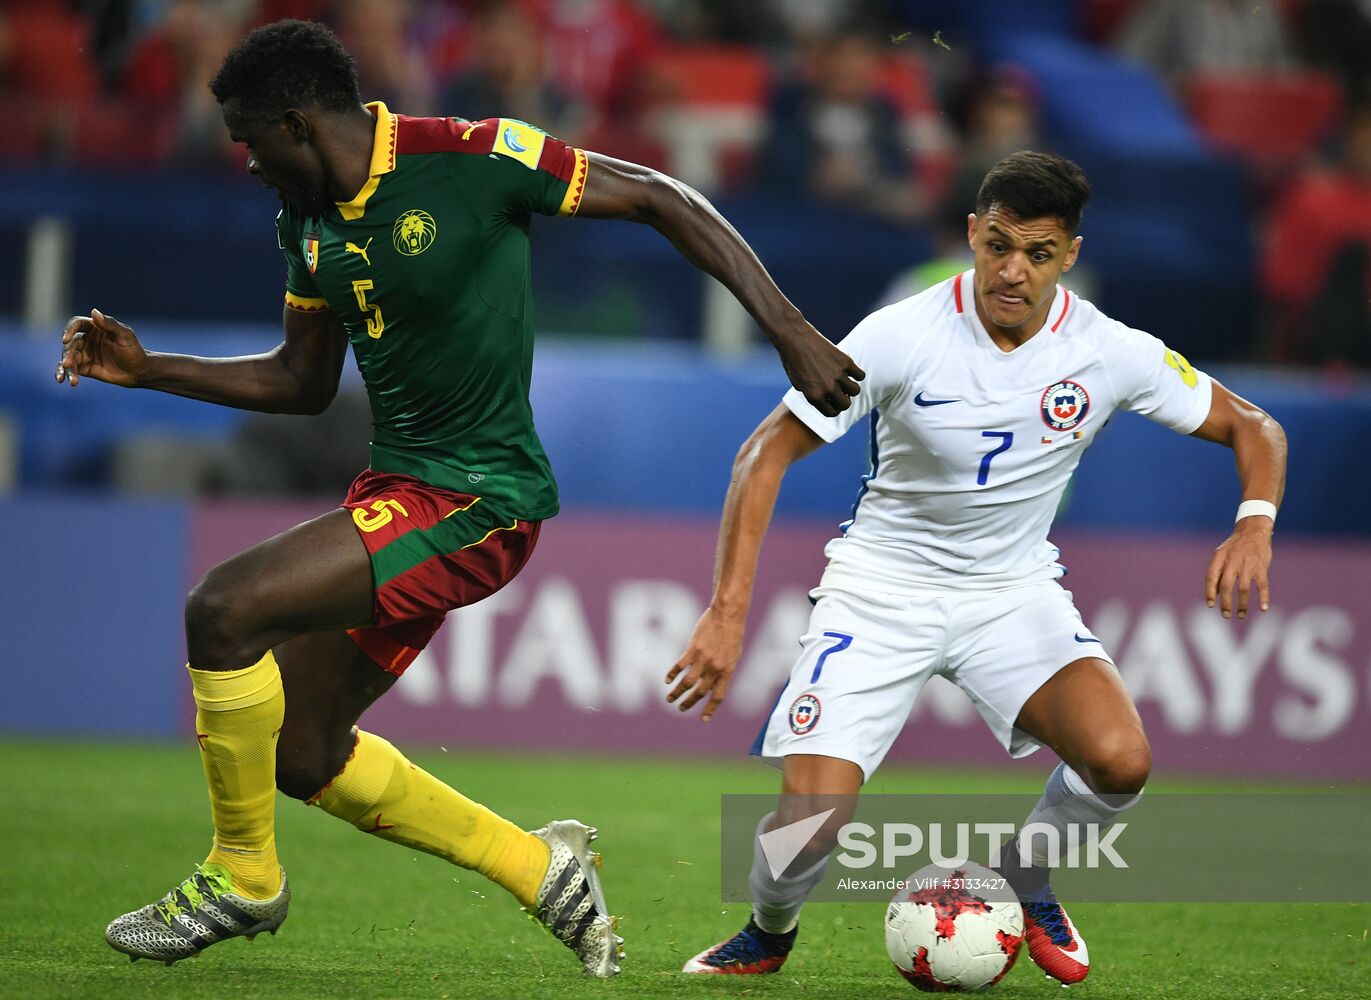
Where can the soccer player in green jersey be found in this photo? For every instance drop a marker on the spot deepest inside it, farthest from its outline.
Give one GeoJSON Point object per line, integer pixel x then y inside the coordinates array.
{"type": "Point", "coordinates": [407, 237]}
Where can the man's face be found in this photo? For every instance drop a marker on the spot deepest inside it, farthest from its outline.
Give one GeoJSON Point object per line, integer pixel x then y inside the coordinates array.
{"type": "Point", "coordinates": [282, 157]}
{"type": "Point", "coordinates": [1018, 262]}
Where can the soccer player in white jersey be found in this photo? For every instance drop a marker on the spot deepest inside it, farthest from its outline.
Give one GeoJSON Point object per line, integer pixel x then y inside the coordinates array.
{"type": "Point", "coordinates": [983, 392]}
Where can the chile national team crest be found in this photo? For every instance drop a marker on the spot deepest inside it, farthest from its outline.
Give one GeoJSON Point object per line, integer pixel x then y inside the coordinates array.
{"type": "Point", "coordinates": [804, 714]}
{"type": "Point", "coordinates": [1064, 405]}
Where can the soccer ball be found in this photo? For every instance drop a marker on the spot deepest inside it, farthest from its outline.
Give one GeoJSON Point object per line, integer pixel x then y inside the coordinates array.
{"type": "Point", "coordinates": [954, 929]}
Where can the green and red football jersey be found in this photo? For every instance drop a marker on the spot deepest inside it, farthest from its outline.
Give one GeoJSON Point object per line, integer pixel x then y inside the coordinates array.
{"type": "Point", "coordinates": [428, 267]}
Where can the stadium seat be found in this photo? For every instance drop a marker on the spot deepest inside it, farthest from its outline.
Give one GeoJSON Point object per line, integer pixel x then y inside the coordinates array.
{"type": "Point", "coordinates": [1102, 19]}
{"type": "Point", "coordinates": [1272, 123]}
{"type": "Point", "coordinates": [112, 133]}
{"type": "Point", "coordinates": [26, 135]}
{"type": "Point", "coordinates": [729, 75]}
{"type": "Point", "coordinates": [905, 84]}
{"type": "Point", "coordinates": [49, 54]}
{"type": "Point", "coordinates": [716, 114]}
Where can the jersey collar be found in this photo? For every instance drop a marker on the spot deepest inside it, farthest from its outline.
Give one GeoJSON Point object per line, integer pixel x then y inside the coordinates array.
{"type": "Point", "coordinates": [382, 161]}
{"type": "Point", "coordinates": [963, 300]}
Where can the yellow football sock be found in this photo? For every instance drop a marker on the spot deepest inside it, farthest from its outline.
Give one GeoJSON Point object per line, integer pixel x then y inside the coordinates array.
{"type": "Point", "coordinates": [379, 791]}
{"type": "Point", "coordinates": [238, 721]}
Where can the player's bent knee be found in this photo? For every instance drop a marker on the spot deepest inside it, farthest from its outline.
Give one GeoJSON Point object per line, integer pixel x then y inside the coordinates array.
{"type": "Point", "coordinates": [305, 764]}
{"type": "Point", "coordinates": [209, 614]}
{"type": "Point", "coordinates": [302, 775]}
{"type": "Point", "coordinates": [300, 780]}
{"type": "Point", "coordinates": [1123, 769]}
{"type": "Point", "coordinates": [218, 635]}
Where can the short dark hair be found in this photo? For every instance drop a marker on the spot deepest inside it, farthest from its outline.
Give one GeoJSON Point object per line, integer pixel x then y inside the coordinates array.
{"type": "Point", "coordinates": [1034, 186]}
{"type": "Point", "coordinates": [289, 64]}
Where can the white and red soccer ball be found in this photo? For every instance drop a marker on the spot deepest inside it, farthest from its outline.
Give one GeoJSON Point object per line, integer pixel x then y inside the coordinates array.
{"type": "Point", "coordinates": [954, 930]}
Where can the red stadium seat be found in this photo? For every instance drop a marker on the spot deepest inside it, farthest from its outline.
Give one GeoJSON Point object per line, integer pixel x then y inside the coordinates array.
{"type": "Point", "coordinates": [49, 54]}
{"type": "Point", "coordinates": [27, 135]}
{"type": "Point", "coordinates": [6, 6]}
{"type": "Point", "coordinates": [114, 133]}
{"type": "Point", "coordinates": [715, 113]}
{"type": "Point", "coordinates": [1101, 20]}
{"type": "Point", "coordinates": [1273, 123]}
{"type": "Point", "coordinates": [905, 84]}
{"type": "Point", "coordinates": [715, 75]}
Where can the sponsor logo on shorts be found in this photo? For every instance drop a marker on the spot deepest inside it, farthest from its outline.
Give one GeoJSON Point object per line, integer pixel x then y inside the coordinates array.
{"type": "Point", "coordinates": [1064, 405]}
{"type": "Point", "coordinates": [804, 714]}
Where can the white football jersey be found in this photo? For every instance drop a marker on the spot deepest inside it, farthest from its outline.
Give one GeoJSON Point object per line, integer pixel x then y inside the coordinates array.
{"type": "Point", "coordinates": [971, 447]}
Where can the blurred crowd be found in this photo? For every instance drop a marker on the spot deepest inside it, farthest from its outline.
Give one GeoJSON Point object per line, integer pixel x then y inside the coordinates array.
{"type": "Point", "coordinates": [834, 100]}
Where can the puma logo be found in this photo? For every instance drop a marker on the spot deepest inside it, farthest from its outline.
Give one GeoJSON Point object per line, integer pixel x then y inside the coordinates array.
{"type": "Point", "coordinates": [378, 826]}
{"type": "Point", "coordinates": [470, 129]}
{"type": "Point", "coordinates": [354, 248]}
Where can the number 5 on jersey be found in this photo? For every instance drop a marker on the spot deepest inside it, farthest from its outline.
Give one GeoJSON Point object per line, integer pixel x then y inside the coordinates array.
{"type": "Point", "coordinates": [375, 324]}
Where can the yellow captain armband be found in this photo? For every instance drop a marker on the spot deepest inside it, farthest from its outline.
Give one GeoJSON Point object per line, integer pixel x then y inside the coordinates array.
{"type": "Point", "coordinates": [301, 303]}
{"type": "Point", "coordinates": [1183, 368]}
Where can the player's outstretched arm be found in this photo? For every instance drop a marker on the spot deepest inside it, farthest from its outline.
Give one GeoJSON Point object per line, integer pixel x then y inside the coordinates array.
{"type": "Point", "coordinates": [619, 190]}
{"type": "Point", "coordinates": [299, 376]}
{"type": "Point", "coordinates": [706, 667]}
{"type": "Point", "coordinates": [1258, 445]}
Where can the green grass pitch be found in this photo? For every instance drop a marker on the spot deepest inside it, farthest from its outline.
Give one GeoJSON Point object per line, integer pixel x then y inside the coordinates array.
{"type": "Point", "coordinates": [92, 830]}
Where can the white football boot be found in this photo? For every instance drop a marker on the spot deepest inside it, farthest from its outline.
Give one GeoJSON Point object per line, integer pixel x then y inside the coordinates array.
{"type": "Point", "coordinates": [570, 902]}
{"type": "Point", "coordinates": [201, 911]}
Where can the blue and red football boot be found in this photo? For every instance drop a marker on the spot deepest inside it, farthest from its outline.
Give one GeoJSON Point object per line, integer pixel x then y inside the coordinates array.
{"type": "Point", "coordinates": [1053, 941]}
{"type": "Point", "coordinates": [752, 951]}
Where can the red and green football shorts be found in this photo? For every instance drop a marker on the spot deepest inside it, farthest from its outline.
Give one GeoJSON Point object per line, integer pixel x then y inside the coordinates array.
{"type": "Point", "coordinates": [432, 550]}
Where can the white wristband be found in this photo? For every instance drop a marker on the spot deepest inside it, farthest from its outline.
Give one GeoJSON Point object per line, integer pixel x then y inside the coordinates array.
{"type": "Point", "coordinates": [1250, 507]}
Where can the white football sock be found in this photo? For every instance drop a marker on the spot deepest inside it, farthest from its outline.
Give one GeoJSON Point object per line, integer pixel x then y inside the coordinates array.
{"type": "Point", "coordinates": [1068, 799]}
{"type": "Point", "coordinates": [776, 902]}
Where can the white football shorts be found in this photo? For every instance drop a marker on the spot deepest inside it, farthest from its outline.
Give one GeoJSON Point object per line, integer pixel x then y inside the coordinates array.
{"type": "Point", "coordinates": [866, 655]}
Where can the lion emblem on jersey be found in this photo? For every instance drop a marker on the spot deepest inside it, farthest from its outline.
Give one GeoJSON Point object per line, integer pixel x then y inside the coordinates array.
{"type": "Point", "coordinates": [1064, 405]}
{"type": "Point", "coordinates": [414, 232]}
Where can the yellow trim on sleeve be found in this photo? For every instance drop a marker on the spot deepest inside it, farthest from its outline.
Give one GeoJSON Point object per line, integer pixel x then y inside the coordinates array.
{"type": "Point", "coordinates": [302, 303]}
{"type": "Point", "coordinates": [571, 201]}
{"type": "Point", "coordinates": [382, 161]}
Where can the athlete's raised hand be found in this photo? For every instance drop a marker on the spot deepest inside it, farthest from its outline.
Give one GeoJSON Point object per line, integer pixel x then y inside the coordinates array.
{"type": "Point", "coordinates": [1243, 559]}
{"type": "Point", "coordinates": [100, 347]}
{"type": "Point", "coordinates": [707, 665]}
{"type": "Point", "coordinates": [819, 369]}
